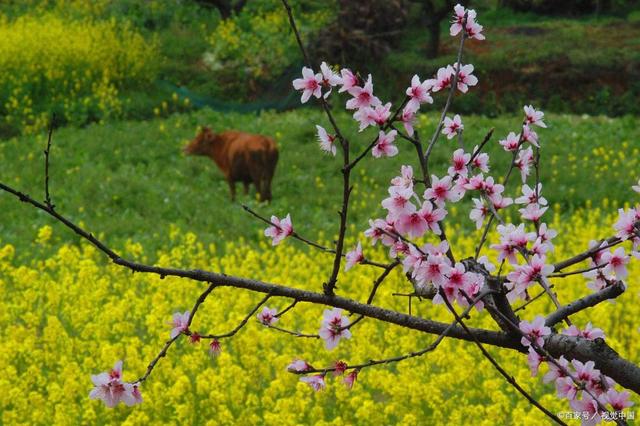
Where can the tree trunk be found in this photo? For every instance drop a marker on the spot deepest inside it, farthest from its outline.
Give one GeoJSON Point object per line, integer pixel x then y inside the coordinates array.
{"type": "Point", "coordinates": [433, 27]}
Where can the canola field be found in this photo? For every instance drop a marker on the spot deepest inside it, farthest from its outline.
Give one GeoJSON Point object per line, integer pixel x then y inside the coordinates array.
{"type": "Point", "coordinates": [73, 314]}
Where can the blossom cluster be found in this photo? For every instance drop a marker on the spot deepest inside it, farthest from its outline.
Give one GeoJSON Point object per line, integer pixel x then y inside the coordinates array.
{"type": "Point", "coordinates": [586, 388]}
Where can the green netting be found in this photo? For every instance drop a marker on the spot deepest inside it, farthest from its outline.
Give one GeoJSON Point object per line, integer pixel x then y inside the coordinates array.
{"type": "Point", "coordinates": [280, 96]}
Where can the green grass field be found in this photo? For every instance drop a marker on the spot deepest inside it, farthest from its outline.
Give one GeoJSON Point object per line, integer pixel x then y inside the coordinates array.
{"type": "Point", "coordinates": [130, 180]}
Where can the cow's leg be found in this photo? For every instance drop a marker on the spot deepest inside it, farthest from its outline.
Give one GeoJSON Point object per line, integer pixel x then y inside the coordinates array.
{"type": "Point", "coordinates": [232, 187]}
{"type": "Point", "coordinates": [256, 172]}
{"type": "Point", "coordinates": [246, 187]}
{"type": "Point", "coordinates": [272, 161]}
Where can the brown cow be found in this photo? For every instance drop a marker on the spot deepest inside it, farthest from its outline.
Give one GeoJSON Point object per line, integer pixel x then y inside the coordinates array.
{"type": "Point", "coordinates": [242, 157]}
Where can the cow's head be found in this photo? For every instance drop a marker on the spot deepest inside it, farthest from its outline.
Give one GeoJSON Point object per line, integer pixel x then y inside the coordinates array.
{"type": "Point", "coordinates": [202, 143]}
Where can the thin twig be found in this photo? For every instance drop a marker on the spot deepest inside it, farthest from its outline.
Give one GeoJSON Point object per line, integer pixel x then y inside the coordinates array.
{"type": "Point", "coordinates": [293, 333]}
{"type": "Point", "coordinates": [47, 155]}
{"type": "Point", "coordinates": [168, 343]}
{"type": "Point", "coordinates": [242, 323]}
{"type": "Point", "coordinates": [374, 289]}
{"type": "Point", "coordinates": [287, 309]}
{"type": "Point", "coordinates": [530, 301]}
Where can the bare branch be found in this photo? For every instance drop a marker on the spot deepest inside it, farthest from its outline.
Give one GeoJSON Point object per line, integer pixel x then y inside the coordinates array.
{"type": "Point", "coordinates": [610, 292]}
{"type": "Point", "coordinates": [47, 155]}
{"type": "Point", "coordinates": [293, 333]}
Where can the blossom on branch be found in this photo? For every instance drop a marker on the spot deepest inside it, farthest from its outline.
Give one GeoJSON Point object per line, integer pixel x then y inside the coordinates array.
{"type": "Point", "coordinates": [442, 190]}
{"type": "Point", "coordinates": [472, 28]}
{"type": "Point", "coordinates": [279, 230]}
{"type": "Point", "coordinates": [408, 119]}
{"type": "Point", "coordinates": [535, 331]}
{"type": "Point", "coordinates": [363, 96]}
{"type": "Point", "coordinates": [384, 146]}
{"type": "Point", "coordinates": [315, 381]}
{"type": "Point", "coordinates": [533, 116]}
{"type": "Point", "coordinates": [399, 202]}
{"type": "Point", "coordinates": [618, 400]}
{"type": "Point", "coordinates": [531, 195]}
{"type": "Point", "coordinates": [310, 84]}
{"type": "Point", "coordinates": [348, 80]}
{"type": "Point", "coordinates": [459, 13]}
{"type": "Point", "coordinates": [465, 78]}
{"type": "Point", "coordinates": [329, 78]}
{"type": "Point", "coordinates": [180, 323]}
{"type": "Point", "coordinates": [214, 348]}
{"type": "Point", "coordinates": [459, 163]}
{"type": "Point", "coordinates": [589, 410]}
{"type": "Point", "coordinates": [481, 161]}
{"type": "Point", "coordinates": [353, 257]}
{"type": "Point", "coordinates": [405, 180]}
{"type": "Point", "coordinates": [327, 141]}
{"type": "Point", "coordinates": [534, 359]}
{"type": "Point", "coordinates": [110, 388]}
{"type": "Point", "coordinates": [340, 368]}
{"type": "Point", "coordinates": [479, 212]}
{"type": "Point", "coordinates": [333, 327]}
{"type": "Point", "coordinates": [524, 162]}
{"type": "Point", "coordinates": [511, 143]}
{"type": "Point", "coordinates": [452, 126]}
{"type": "Point", "coordinates": [588, 333]}
{"type": "Point", "coordinates": [419, 93]}
{"type": "Point", "coordinates": [268, 316]}
{"type": "Point", "coordinates": [530, 136]}
{"type": "Point", "coordinates": [350, 378]}
{"type": "Point", "coordinates": [616, 263]}
{"type": "Point", "coordinates": [298, 365]}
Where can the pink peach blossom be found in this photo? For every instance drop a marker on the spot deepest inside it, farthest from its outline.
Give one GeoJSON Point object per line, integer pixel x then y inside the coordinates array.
{"type": "Point", "coordinates": [353, 257]}
{"type": "Point", "coordinates": [348, 80]}
{"type": "Point", "coordinates": [333, 327]}
{"type": "Point", "coordinates": [452, 126]}
{"type": "Point", "coordinates": [279, 230]}
{"type": "Point", "coordinates": [533, 116]}
{"type": "Point", "coordinates": [350, 379]}
{"type": "Point", "coordinates": [327, 141]}
{"type": "Point", "coordinates": [298, 365]}
{"type": "Point", "coordinates": [180, 324]}
{"type": "Point", "coordinates": [459, 163]}
{"type": "Point", "coordinates": [362, 96]}
{"type": "Point", "coordinates": [465, 77]}
{"type": "Point", "coordinates": [329, 78]}
{"type": "Point", "coordinates": [511, 143]}
{"type": "Point", "coordinates": [315, 381]}
{"type": "Point", "coordinates": [384, 146]}
{"type": "Point", "coordinates": [268, 316]}
{"type": "Point", "coordinates": [110, 388]}
{"type": "Point", "coordinates": [418, 93]}
{"type": "Point", "coordinates": [310, 84]}
{"type": "Point", "coordinates": [215, 348]}
{"type": "Point", "coordinates": [616, 263]}
{"type": "Point", "coordinates": [535, 331]}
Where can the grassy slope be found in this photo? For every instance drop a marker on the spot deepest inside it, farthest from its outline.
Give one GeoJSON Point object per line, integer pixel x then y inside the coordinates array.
{"type": "Point", "coordinates": [130, 179]}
